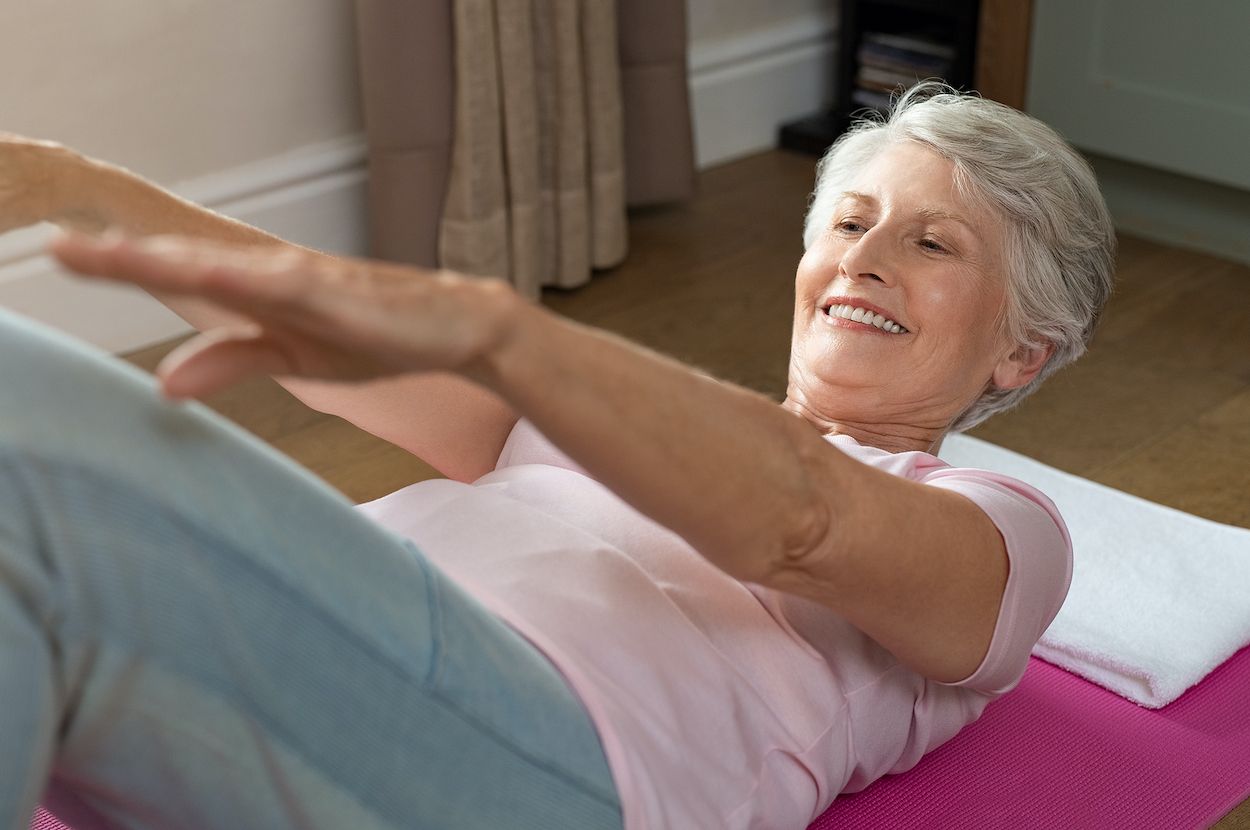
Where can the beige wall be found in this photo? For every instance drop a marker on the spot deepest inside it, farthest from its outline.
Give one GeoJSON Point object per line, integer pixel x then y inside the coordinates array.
{"type": "Point", "coordinates": [715, 19]}
{"type": "Point", "coordinates": [178, 89]}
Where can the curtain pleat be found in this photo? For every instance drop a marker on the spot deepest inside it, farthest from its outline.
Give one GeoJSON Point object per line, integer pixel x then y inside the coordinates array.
{"type": "Point", "coordinates": [609, 237]}
{"type": "Point", "coordinates": [537, 189]}
{"type": "Point", "coordinates": [520, 136]}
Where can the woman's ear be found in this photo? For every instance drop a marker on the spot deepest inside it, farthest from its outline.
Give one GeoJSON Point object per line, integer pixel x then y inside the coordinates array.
{"type": "Point", "coordinates": [1022, 365]}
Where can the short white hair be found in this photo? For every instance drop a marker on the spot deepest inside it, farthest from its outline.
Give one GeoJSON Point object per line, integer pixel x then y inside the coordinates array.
{"type": "Point", "coordinates": [1059, 240]}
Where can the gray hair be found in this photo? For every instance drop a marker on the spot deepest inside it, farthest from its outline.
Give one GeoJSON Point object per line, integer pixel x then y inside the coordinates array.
{"type": "Point", "coordinates": [1059, 241]}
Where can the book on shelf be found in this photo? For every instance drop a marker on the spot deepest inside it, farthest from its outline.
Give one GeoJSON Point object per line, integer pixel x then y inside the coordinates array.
{"type": "Point", "coordinates": [917, 53]}
{"type": "Point", "coordinates": [889, 62]}
{"type": "Point", "coordinates": [885, 57]}
{"type": "Point", "coordinates": [874, 77]}
{"type": "Point", "coordinates": [925, 71]}
{"type": "Point", "coordinates": [918, 44]}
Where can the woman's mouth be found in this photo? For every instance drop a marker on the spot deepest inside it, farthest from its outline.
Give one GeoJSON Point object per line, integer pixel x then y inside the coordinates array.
{"type": "Point", "coordinates": [850, 316]}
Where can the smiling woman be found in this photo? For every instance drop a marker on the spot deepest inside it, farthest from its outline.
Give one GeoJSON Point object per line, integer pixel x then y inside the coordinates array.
{"type": "Point", "coordinates": [1015, 202]}
{"type": "Point", "coordinates": [896, 246]}
{"type": "Point", "coordinates": [642, 597]}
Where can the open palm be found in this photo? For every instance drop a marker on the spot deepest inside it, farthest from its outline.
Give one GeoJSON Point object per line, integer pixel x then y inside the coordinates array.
{"type": "Point", "coordinates": [310, 315]}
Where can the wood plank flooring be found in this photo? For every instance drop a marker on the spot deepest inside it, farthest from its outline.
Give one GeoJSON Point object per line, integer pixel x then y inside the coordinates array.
{"type": "Point", "coordinates": [1159, 407]}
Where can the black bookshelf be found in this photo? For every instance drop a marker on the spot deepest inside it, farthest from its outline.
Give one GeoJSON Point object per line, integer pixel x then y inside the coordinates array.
{"type": "Point", "coordinates": [949, 23]}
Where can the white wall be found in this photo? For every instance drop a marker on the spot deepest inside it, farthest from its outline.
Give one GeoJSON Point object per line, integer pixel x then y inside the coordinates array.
{"type": "Point", "coordinates": [250, 107]}
{"type": "Point", "coordinates": [180, 88]}
{"type": "Point", "coordinates": [754, 66]}
{"type": "Point", "coordinates": [1167, 129]}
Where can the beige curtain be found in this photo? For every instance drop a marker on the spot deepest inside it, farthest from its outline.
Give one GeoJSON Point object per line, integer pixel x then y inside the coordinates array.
{"type": "Point", "coordinates": [537, 187]}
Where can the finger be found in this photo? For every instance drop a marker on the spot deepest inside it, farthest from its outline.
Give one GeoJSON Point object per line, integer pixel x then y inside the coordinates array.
{"type": "Point", "coordinates": [244, 279]}
{"type": "Point", "coordinates": [89, 255]}
{"type": "Point", "coordinates": [160, 263]}
{"type": "Point", "coordinates": [218, 359]}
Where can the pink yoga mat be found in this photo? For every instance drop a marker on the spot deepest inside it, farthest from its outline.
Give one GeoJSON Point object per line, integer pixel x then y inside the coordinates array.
{"type": "Point", "coordinates": [44, 821]}
{"type": "Point", "coordinates": [1061, 752]}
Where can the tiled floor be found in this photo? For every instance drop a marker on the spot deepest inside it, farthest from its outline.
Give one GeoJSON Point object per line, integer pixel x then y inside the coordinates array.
{"type": "Point", "coordinates": [1160, 407]}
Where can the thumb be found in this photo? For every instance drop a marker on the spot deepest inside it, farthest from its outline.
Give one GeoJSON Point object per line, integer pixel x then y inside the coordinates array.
{"type": "Point", "coordinates": [216, 360]}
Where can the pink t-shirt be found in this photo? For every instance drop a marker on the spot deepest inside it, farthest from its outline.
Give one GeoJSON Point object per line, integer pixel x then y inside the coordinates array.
{"type": "Point", "coordinates": [720, 704]}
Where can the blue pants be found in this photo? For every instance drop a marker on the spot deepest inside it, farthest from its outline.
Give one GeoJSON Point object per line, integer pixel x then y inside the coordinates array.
{"type": "Point", "coordinates": [197, 632]}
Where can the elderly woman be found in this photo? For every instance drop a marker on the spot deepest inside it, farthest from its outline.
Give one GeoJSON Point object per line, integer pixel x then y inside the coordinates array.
{"type": "Point", "coordinates": [640, 598]}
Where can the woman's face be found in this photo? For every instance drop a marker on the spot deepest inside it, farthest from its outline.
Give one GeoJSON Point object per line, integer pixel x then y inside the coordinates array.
{"type": "Point", "coordinates": [903, 242]}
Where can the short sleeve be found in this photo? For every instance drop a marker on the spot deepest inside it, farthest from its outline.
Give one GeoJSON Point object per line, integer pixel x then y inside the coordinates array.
{"type": "Point", "coordinates": [1039, 552]}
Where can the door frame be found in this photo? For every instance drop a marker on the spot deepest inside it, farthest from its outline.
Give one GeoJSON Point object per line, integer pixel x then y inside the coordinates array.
{"type": "Point", "coordinates": [1002, 61]}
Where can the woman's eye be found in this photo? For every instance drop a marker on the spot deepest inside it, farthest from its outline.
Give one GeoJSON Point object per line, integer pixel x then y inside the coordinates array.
{"type": "Point", "coordinates": [932, 245]}
{"type": "Point", "coordinates": [850, 226]}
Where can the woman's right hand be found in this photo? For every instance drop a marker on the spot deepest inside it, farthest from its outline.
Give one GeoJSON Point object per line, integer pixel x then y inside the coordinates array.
{"type": "Point", "coordinates": [28, 180]}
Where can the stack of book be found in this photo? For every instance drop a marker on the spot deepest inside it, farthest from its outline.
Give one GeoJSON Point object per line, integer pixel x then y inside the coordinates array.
{"type": "Point", "coordinates": [890, 63]}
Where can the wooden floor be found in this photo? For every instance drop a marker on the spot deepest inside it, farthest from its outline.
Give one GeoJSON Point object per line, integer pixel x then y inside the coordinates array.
{"type": "Point", "coordinates": [1159, 407]}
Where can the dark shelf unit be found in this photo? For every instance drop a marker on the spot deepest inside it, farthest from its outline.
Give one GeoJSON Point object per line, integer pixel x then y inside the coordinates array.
{"type": "Point", "coordinates": [950, 22]}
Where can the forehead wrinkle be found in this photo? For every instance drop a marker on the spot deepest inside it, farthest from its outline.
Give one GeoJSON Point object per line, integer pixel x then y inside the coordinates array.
{"type": "Point", "coordinates": [856, 196]}
{"type": "Point", "coordinates": [939, 214]}
{"type": "Point", "coordinates": [932, 213]}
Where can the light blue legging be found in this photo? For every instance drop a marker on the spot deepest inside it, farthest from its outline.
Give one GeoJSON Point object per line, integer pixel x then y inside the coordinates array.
{"type": "Point", "coordinates": [197, 632]}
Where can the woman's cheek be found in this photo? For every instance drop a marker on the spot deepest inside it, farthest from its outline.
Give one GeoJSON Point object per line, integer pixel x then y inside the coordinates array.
{"type": "Point", "coordinates": [819, 262]}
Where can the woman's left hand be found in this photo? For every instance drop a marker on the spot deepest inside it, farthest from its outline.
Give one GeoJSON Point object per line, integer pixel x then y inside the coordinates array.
{"type": "Point", "coordinates": [311, 316]}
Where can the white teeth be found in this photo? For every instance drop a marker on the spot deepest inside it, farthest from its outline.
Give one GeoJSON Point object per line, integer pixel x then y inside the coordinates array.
{"type": "Point", "coordinates": [862, 315]}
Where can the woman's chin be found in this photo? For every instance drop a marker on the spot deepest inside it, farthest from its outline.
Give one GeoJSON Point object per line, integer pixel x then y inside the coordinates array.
{"type": "Point", "coordinates": [847, 373]}
{"type": "Point", "coordinates": [868, 363]}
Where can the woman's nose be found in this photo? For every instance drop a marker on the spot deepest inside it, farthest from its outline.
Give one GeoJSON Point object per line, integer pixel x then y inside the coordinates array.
{"type": "Point", "coordinates": [869, 257]}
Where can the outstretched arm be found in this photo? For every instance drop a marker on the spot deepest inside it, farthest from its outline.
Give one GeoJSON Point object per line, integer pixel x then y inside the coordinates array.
{"type": "Point", "coordinates": [754, 488]}
{"type": "Point", "coordinates": [456, 426]}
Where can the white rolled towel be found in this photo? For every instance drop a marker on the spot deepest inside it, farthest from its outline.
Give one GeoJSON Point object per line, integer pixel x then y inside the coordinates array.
{"type": "Point", "coordinates": [1159, 597]}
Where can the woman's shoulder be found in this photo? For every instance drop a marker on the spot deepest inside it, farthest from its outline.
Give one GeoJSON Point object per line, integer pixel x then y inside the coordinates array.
{"type": "Point", "coordinates": [951, 472]}
{"type": "Point", "coordinates": [1035, 535]}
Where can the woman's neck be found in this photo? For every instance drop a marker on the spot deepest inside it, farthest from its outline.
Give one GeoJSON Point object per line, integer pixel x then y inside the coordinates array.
{"type": "Point", "coordinates": [891, 437]}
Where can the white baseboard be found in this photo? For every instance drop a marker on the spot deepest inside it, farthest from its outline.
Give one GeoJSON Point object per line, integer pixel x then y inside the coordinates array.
{"type": "Point", "coordinates": [744, 88]}
{"type": "Point", "coordinates": [313, 195]}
